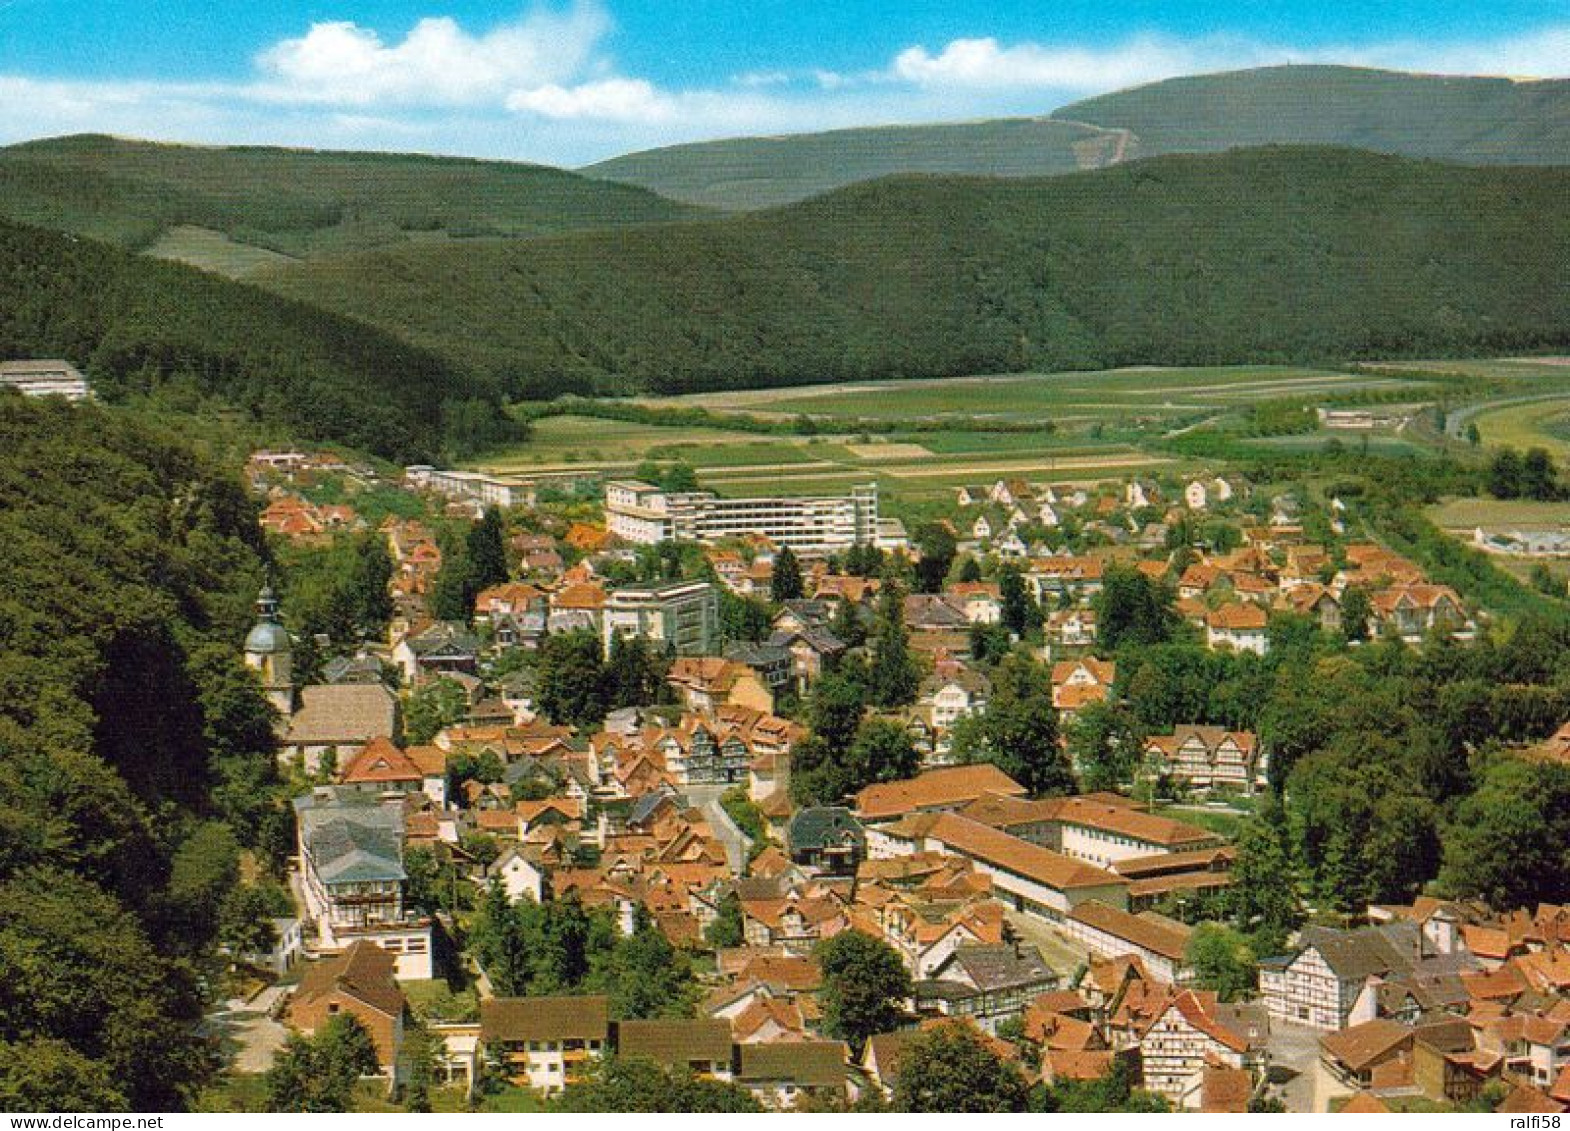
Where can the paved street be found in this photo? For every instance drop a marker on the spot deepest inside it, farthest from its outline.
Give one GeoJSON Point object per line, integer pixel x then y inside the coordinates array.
{"type": "Point", "coordinates": [1294, 1050]}
{"type": "Point", "coordinates": [245, 1031]}
{"type": "Point", "coordinates": [1062, 955]}
{"type": "Point", "coordinates": [707, 798]}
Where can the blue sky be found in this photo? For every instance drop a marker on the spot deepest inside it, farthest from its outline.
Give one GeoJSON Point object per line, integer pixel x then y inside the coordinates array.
{"type": "Point", "coordinates": [570, 81]}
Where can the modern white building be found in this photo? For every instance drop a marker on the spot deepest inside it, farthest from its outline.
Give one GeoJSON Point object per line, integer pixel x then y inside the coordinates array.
{"type": "Point", "coordinates": [683, 616]}
{"type": "Point", "coordinates": [49, 378]}
{"type": "Point", "coordinates": [643, 513]}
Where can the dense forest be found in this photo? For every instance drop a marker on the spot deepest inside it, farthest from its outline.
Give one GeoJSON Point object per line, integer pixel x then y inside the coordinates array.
{"type": "Point", "coordinates": [193, 341]}
{"type": "Point", "coordinates": [1287, 255]}
{"type": "Point", "coordinates": [135, 754]}
{"type": "Point", "coordinates": [297, 202]}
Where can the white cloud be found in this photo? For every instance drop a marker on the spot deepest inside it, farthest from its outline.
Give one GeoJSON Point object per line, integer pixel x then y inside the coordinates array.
{"type": "Point", "coordinates": [544, 87]}
{"type": "Point", "coordinates": [438, 62]}
{"type": "Point", "coordinates": [1543, 53]}
{"type": "Point", "coordinates": [613, 100]}
{"type": "Point", "coordinates": [985, 64]}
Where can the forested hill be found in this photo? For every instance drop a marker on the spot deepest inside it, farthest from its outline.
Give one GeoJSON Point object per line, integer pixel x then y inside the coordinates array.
{"type": "Point", "coordinates": [135, 325]}
{"type": "Point", "coordinates": [1451, 118]}
{"type": "Point", "coordinates": [1482, 121]}
{"type": "Point", "coordinates": [1249, 256]}
{"type": "Point", "coordinates": [229, 209]}
{"type": "Point", "coordinates": [759, 172]}
{"type": "Point", "coordinates": [135, 753]}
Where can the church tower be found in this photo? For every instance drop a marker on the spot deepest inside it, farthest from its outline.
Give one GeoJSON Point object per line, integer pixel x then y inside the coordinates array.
{"type": "Point", "coordinates": [268, 651]}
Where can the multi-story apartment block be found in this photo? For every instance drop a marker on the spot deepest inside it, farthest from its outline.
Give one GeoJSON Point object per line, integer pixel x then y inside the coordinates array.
{"type": "Point", "coordinates": [683, 617]}
{"type": "Point", "coordinates": [642, 513]}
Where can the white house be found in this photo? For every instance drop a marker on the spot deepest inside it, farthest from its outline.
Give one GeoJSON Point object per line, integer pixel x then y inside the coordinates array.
{"type": "Point", "coordinates": [519, 876]}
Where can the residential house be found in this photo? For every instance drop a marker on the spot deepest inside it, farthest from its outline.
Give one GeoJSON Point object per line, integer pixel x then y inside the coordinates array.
{"type": "Point", "coordinates": [360, 982]}
{"type": "Point", "coordinates": [987, 984]}
{"type": "Point", "coordinates": [1206, 757]}
{"type": "Point", "coordinates": [545, 1043]}
{"type": "Point", "coordinates": [519, 876]}
{"type": "Point", "coordinates": [1193, 1032]}
{"type": "Point", "coordinates": [782, 1075]}
{"type": "Point", "coordinates": [351, 874]}
{"type": "Point", "coordinates": [1321, 980]}
{"type": "Point", "coordinates": [706, 683]}
{"type": "Point", "coordinates": [1076, 683]}
{"type": "Point", "coordinates": [826, 839]}
{"type": "Point", "coordinates": [1241, 627]}
{"type": "Point", "coordinates": [701, 1047]}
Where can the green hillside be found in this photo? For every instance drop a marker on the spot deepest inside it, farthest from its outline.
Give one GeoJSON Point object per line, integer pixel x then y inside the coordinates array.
{"type": "Point", "coordinates": [1258, 255]}
{"type": "Point", "coordinates": [296, 203]}
{"type": "Point", "coordinates": [759, 172]}
{"type": "Point", "coordinates": [1481, 121]}
{"type": "Point", "coordinates": [194, 341]}
{"type": "Point", "coordinates": [1468, 120]}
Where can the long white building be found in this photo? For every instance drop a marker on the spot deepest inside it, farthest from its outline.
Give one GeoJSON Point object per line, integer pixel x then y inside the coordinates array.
{"type": "Point", "coordinates": [49, 378]}
{"type": "Point", "coordinates": [642, 513]}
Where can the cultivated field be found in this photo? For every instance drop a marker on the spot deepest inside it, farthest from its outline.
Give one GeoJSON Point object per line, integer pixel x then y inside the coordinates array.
{"type": "Point", "coordinates": [1058, 397]}
{"type": "Point", "coordinates": [1093, 426]}
{"type": "Point", "coordinates": [1468, 514]}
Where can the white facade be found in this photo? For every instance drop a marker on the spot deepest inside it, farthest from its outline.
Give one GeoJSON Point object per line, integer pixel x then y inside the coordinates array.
{"type": "Point", "coordinates": [642, 513]}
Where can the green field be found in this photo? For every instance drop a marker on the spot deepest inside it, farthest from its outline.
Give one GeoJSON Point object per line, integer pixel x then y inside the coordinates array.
{"type": "Point", "coordinates": [584, 440]}
{"type": "Point", "coordinates": [1538, 424]}
{"type": "Point", "coordinates": [1465, 514]}
{"type": "Point", "coordinates": [1102, 428]}
{"type": "Point", "coordinates": [1111, 397]}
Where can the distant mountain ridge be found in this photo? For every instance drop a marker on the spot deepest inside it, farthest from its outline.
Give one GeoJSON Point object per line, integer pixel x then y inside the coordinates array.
{"type": "Point", "coordinates": [1274, 254]}
{"type": "Point", "coordinates": [1482, 121]}
{"type": "Point", "coordinates": [759, 172]}
{"type": "Point", "coordinates": [230, 209]}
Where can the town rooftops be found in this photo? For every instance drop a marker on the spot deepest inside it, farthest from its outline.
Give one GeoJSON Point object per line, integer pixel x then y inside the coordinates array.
{"type": "Point", "coordinates": [1361, 1045]}
{"type": "Point", "coordinates": [352, 843]}
{"type": "Point", "coordinates": [1167, 939]}
{"type": "Point", "coordinates": [1002, 966]}
{"type": "Point", "coordinates": [1131, 823]}
{"type": "Point", "coordinates": [676, 1043]}
{"type": "Point", "coordinates": [947, 787]}
{"type": "Point", "coordinates": [511, 1019]}
{"type": "Point", "coordinates": [342, 713]}
{"type": "Point", "coordinates": [1010, 853]}
{"type": "Point", "coordinates": [364, 971]}
{"type": "Point", "coordinates": [809, 1064]}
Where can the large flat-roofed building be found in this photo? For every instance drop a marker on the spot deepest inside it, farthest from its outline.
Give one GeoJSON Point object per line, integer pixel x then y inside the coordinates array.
{"type": "Point", "coordinates": [642, 513]}
{"type": "Point", "coordinates": [494, 490]}
{"type": "Point", "coordinates": [683, 616]}
{"type": "Point", "coordinates": [49, 378]}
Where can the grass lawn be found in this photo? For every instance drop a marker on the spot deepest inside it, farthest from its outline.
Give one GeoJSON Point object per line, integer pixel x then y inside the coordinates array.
{"type": "Point", "coordinates": [234, 1091]}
